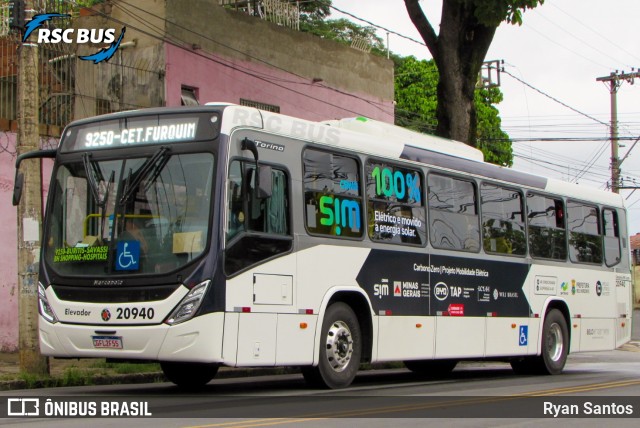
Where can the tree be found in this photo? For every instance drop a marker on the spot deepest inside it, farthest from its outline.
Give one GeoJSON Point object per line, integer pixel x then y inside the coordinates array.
{"type": "Point", "coordinates": [467, 28]}
{"type": "Point", "coordinates": [416, 104]}
{"type": "Point", "coordinates": [415, 94]}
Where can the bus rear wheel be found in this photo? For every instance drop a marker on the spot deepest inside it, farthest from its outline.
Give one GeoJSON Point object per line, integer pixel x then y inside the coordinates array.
{"type": "Point", "coordinates": [189, 375]}
{"type": "Point", "coordinates": [340, 349]}
{"type": "Point", "coordinates": [555, 348]}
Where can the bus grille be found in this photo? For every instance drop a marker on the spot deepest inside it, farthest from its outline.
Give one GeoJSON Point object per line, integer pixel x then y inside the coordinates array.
{"type": "Point", "coordinates": [113, 294]}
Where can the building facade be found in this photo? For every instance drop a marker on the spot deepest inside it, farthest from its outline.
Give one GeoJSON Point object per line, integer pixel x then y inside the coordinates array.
{"type": "Point", "coordinates": [178, 52]}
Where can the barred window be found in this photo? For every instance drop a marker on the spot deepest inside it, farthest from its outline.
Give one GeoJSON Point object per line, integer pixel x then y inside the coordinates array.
{"type": "Point", "coordinates": [260, 106]}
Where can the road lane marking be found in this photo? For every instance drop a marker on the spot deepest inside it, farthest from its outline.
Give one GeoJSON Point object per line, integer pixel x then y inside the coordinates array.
{"type": "Point", "coordinates": [250, 423]}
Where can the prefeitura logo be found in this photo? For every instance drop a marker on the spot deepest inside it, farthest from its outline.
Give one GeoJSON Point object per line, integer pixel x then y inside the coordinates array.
{"type": "Point", "coordinates": [74, 35]}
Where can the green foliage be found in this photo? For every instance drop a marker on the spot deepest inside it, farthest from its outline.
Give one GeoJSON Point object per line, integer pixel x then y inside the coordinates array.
{"type": "Point", "coordinates": [88, 3]}
{"type": "Point", "coordinates": [492, 140]}
{"type": "Point", "coordinates": [416, 81]}
{"type": "Point", "coordinates": [415, 94]}
{"type": "Point", "coordinates": [343, 31]}
{"type": "Point", "coordinates": [492, 12]}
{"type": "Point", "coordinates": [416, 99]}
{"type": "Point", "coordinates": [127, 368]}
{"type": "Point", "coordinates": [30, 380]}
{"type": "Point", "coordinates": [73, 376]}
{"type": "Point", "coordinates": [314, 10]}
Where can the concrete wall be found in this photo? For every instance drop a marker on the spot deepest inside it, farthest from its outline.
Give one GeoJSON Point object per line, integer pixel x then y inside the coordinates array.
{"type": "Point", "coordinates": [228, 55]}
{"type": "Point", "coordinates": [134, 77]}
{"type": "Point", "coordinates": [9, 237]}
{"type": "Point", "coordinates": [225, 55]}
{"type": "Point", "coordinates": [9, 259]}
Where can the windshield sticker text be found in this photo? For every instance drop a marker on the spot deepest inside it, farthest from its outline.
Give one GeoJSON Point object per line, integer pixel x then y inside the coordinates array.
{"type": "Point", "coordinates": [81, 254]}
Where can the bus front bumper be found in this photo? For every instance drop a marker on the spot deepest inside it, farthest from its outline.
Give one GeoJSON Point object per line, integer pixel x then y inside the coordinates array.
{"type": "Point", "coordinates": [196, 340]}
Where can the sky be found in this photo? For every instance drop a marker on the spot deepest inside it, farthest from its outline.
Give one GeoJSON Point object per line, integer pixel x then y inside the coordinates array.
{"type": "Point", "coordinates": [551, 64]}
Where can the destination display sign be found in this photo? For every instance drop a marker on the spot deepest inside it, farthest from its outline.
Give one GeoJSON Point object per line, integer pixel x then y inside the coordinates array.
{"type": "Point", "coordinates": [138, 131]}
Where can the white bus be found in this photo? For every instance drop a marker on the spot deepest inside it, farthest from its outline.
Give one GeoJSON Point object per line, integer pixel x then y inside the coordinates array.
{"type": "Point", "coordinates": [222, 235]}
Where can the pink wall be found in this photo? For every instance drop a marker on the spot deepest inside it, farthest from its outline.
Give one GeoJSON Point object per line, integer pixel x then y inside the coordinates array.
{"type": "Point", "coordinates": [8, 253]}
{"type": "Point", "coordinates": [294, 95]}
{"type": "Point", "coordinates": [9, 236]}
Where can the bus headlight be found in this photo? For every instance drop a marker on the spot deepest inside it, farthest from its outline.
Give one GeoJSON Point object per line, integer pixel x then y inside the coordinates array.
{"type": "Point", "coordinates": [43, 306]}
{"type": "Point", "coordinates": [189, 305]}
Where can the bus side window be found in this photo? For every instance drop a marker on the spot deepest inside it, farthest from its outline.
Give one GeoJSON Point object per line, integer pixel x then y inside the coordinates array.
{"type": "Point", "coordinates": [547, 233]}
{"type": "Point", "coordinates": [585, 239]}
{"type": "Point", "coordinates": [612, 254]}
{"type": "Point", "coordinates": [236, 215]}
{"type": "Point", "coordinates": [453, 213]}
{"type": "Point", "coordinates": [332, 194]}
{"type": "Point", "coordinates": [257, 228]}
{"type": "Point", "coordinates": [502, 220]}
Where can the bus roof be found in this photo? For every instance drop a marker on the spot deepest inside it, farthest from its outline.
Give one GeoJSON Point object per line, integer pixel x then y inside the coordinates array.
{"type": "Point", "coordinates": [389, 141]}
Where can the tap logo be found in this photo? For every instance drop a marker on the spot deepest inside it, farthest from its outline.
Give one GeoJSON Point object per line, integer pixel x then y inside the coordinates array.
{"type": "Point", "coordinates": [74, 35]}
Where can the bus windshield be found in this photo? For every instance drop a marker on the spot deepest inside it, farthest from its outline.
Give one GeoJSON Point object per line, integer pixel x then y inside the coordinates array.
{"type": "Point", "coordinates": [138, 215]}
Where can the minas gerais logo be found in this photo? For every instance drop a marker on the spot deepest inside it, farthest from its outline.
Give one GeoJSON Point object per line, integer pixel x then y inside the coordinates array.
{"type": "Point", "coordinates": [77, 35]}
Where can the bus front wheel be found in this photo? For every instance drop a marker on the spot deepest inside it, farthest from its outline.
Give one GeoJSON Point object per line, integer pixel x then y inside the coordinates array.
{"type": "Point", "coordinates": [189, 375]}
{"type": "Point", "coordinates": [340, 349]}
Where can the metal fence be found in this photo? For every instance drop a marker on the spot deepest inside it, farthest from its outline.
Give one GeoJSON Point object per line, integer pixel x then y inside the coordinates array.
{"type": "Point", "coordinates": [281, 12]}
{"type": "Point", "coordinates": [70, 88]}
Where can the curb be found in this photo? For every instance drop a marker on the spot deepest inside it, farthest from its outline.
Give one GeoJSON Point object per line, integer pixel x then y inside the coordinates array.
{"type": "Point", "coordinates": [633, 346]}
{"type": "Point", "coordinates": [136, 378]}
{"type": "Point", "coordinates": [223, 373]}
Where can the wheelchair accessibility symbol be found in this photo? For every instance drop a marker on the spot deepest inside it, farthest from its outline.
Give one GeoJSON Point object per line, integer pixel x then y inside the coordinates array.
{"type": "Point", "coordinates": [523, 336]}
{"type": "Point", "coordinates": [128, 255]}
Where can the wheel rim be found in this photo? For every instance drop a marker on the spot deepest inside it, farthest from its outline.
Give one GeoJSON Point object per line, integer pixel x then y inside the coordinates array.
{"type": "Point", "coordinates": [555, 342]}
{"type": "Point", "coordinates": [339, 346]}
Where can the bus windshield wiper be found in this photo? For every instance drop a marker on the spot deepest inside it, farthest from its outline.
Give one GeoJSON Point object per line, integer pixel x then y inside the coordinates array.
{"type": "Point", "coordinates": [92, 171]}
{"type": "Point", "coordinates": [155, 163]}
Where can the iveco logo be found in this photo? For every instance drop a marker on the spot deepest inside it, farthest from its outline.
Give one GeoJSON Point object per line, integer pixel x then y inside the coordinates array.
{"type": "Point", "coordinates": [441, 291]}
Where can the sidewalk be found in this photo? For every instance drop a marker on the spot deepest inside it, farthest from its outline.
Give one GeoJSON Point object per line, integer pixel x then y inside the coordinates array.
{"type": "Point", "coordinates": [71, 372]}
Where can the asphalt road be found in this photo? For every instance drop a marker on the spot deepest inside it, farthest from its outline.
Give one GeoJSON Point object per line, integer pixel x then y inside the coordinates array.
{"type": "Point", "coordinates": [475, 394]}
{"type": "Point", "coordinates": [592, 386]}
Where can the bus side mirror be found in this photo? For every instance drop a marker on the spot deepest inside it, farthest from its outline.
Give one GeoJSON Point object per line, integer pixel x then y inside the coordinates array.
{"type": "Point", "coordinates": [18, 183]}
{"type": "Point", "coordinates": [17, 188]}
{"type": "Point", "coordinates": [263, 181]}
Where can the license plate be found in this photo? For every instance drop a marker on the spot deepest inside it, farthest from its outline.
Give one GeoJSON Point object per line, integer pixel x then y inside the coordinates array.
{"type": "Point", "coordinates": [108, 342]}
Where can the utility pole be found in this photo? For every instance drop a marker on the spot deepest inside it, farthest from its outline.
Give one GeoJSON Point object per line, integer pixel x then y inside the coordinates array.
{"type": "Point", "coordinates": [30, 207]}
{"type": "Point", "coordinates": [615, 80]}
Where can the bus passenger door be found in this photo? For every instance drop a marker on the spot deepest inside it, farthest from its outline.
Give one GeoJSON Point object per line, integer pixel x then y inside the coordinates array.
{"type": "Point", "coordinates": [258, 261]}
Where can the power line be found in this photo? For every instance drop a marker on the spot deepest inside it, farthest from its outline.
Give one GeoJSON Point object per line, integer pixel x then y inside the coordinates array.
{"type": "Point", "coordinates": [179, 43]}
{"type": "Point", "coordinates": [395, 33]}
{"type": "Point", "coordinates": [555, 99]}
{"type": "Point", "coordinates": [590, 28]}
{"type": "Point", "coordinates": [590, 46]}
{"type": "Point", "coordinates": [170, 38]}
